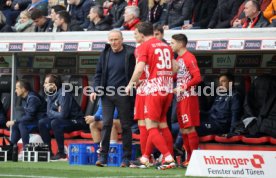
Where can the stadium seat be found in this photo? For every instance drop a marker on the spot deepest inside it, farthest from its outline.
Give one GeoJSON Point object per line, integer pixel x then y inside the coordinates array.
{"type": "Point", "coordinates": [7, 132]}
{"type": "Point", "coordinates": [250, 140]}
{"type": "Point", "coordinates": [72, 134]}
{"type": "Point", "coordinates": [207, 138]}
{"type": "Point", "coordinates": [272, 140]}
{"type": "Point", "coordinates": [233, 139]}
{"type": "Point", "coordinates": [86, 135]}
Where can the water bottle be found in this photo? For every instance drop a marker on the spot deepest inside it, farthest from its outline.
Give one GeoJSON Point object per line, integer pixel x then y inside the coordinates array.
{"type": "Point", "coordinates": [15, 153]}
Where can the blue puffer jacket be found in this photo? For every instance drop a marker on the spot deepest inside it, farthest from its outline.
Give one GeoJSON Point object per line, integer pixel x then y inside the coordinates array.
{"type": "Point", "coordinates": [226, 111]}
{"type": "Point", "coordinates": [69, 107]}
{"type": "Point", "coordinates": [34, 107]}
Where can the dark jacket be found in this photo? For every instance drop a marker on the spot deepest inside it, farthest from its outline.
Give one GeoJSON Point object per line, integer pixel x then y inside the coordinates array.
{"type": "Point", "coordinates": [101, 69]}
{"type": "Point", "coordinates": [116, 13]}
{"type": "Point", "coordinates": [47, 27]}
{"type": "Point", "coordinates": [260, 103]}
{"type": "Point", "coordinates": [261, 22]}
{"type": "Point", "coordinates": [23, 4]}
{"type": "Point", "coordinates": [70, 110]}
{"type": "Point", "coordinates": [143, 6]}
{"type": "Point", "coordinates": [178, 11]}
{"type": "Point", "coordinates": [225, 11]}
{"type": "Point", "coordinates": [80, 12]}
{"type": "Point", "coordinates": [203, 12]}
{"type": "Point", "coordinates": [34, 107]}
{"type": "Point", "coordinates": [72, 27]}
{"type": "Point", "coordinates": [102, 25]}
{"type": "Point", "coordinates": [155, 13]}
{"type": "Point", "coordinates": [226, 111]}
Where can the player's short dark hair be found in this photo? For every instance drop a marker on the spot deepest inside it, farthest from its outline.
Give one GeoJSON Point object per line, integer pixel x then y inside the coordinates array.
{"type": "Point", "coordinates": [146, 28]}
{"type": "Point", "coordinates": [181, 38]}
{"type": "Point", "coordinates": [159, 28]}
{"type": "Point", "coordinates": [228, 75]}
{"type": "Point", "coordinates": [24, 84]}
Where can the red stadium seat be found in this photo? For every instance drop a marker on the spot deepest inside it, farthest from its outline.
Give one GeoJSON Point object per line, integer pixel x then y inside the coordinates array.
{"type": "Point", "coordinates": [86, 135]}
{"type": "Point", "coordinates": [233, 139]}
{"type": "Point", "coordinates": [272, 140]}
{"type": "Point", "coordinates": [260, 140]}
{"type": "Point", "coordinates": [2, 131]}
{"type": "Point", "coordinates": [7, 132]}
{"type": "Point", "coordinates": [207, 138]}
{"type": "Point", "coordinates": [72, 134]}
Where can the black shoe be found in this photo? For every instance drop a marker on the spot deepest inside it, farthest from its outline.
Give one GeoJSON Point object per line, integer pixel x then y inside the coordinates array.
{"type": "Point", "coordinates": [59, 157]}
{"type": "Point", "coordinates": [125, 163]}
{"type": "Point", "coordinates": [102, 161]}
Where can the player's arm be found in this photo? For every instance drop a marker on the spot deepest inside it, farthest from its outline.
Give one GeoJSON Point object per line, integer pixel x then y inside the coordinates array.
{"type": "Point", "coordinates": [175, 66]}
{"type": "Point", "coordinates": [139, 68]}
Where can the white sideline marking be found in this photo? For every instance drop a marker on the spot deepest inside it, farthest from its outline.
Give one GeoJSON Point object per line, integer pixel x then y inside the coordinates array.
{"type": "Point", "coordinates": [8, 175]}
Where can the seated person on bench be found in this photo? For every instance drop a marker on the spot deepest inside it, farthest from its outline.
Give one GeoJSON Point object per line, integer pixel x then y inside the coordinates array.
{"type": "Point", "coordinates": [63, 115]}
{"type": "Point", "coordinates": [33, 110]}
{"type": "Point", "coordinates": [96, 124]}
{"type": "Point", "coordinates": [225, 111]}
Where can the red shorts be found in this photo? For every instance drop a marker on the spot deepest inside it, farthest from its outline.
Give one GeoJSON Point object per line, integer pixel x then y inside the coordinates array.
{"type": "Point", "coordinates": [157, 106]}
{"type": "Point", "coordinates": [139, 108]}
{"type": "Point", "coordinates": [188, 112]}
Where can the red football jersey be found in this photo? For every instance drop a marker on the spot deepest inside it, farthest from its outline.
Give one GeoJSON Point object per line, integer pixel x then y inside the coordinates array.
{"type": "Point", "coordinates": [187, 64]}
{"type": "Point", "coordinates": [158, 57]}
{"type": "Point", "coordinates": [140, 89]}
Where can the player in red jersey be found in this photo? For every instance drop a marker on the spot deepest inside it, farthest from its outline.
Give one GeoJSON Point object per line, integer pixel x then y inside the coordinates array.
{"type": "Point", "coordinates": [140, 106]}
{"type": "Point", "coordinates": [156, 60]}
{"type": "Point", "coordinates": [188, 77]}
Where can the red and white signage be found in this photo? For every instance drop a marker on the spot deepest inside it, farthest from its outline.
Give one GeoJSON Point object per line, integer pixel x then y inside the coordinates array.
{"type": "Point", "coordinates": [29, 47]}
{"type": "Point", "coordinates": [56, 47]}
{"type": "Point", "coordinates": [85, 46]}
{"type": "Point", "coordinates": [268, 44]}
{"type": "Point", "coordinates": [203, 45]}
{"type": "Point", "coordinates": [235, 44]}
{"type": "Point", "coordinates": [4, 47]}
{"type": "Point", "coordinates": [228, 163]}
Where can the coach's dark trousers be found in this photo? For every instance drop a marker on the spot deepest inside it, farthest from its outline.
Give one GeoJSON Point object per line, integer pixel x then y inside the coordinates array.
{"type": "Point", "coordinates": [124, 106]}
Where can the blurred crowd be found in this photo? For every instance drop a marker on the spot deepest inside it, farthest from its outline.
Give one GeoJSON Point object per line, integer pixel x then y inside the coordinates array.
{"type": "Point", "coordinates": [99, 15]}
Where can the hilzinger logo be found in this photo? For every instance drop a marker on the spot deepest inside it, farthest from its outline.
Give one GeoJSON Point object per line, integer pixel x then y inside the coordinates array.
{"type": "Point", "coordinates": [256, 161]}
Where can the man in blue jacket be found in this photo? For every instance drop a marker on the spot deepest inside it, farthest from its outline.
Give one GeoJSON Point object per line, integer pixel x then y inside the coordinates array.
{"type": "Point", "coordinates": [225, 111]}
{"type": "Point", "coordinates": [33, 109]}
{"type": "Point", "coordinates": [63, 115]}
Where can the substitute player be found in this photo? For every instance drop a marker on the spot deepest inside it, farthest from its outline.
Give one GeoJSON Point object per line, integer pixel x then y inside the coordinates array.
{"type": "Point", "coordinates": [188, 77]}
